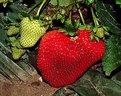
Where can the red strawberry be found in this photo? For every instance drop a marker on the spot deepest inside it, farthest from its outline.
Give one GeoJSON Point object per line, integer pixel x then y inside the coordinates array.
{"type": "Point", "coordinates": [62, 60]}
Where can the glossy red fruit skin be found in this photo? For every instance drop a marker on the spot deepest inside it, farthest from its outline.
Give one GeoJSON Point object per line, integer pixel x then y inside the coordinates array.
{"type": "Point", "coordinates": [62, 61]}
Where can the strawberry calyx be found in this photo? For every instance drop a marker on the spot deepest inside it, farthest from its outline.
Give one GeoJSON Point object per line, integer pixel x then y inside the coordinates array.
{"type": "Point", "coordinates": [101, 31]}
{"type": "Point", "coordinates": [70, 29]}
{"type": "Point", "coordinates": [86, 27]}
{"type": "Point", "coordinates": [98, 31]}
{"type": "Point", "coordinates": [69, 33]}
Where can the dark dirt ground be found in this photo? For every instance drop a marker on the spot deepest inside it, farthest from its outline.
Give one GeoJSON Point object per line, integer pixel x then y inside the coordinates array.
{"type": "Point", "coordinates": [32, 87]}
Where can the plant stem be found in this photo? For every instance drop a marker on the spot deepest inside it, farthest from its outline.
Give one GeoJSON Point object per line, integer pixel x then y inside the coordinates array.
{"type": "Point", "coordinates": [70, 12]}
{"type": "Point", "coordinates": [70, 9]}
{"type": "Point", "coordinates": [34, 6]}
{"type": "Point", "coordinates": [38, 12]}
{"type": "Point", "coordinates": [94, 17]}
{"type": "Point", "coordinates": [57, 2]}
{"type": "Point", "coordinates": [80, 13]}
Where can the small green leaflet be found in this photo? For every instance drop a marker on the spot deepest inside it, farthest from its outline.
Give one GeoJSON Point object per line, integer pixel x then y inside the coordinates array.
{"type": "Point", "coordinates": [106, 14]}
{"type": "Point", "coordinates": [89, 2]}
{"type": "Point", "coordinates": [112, 57]}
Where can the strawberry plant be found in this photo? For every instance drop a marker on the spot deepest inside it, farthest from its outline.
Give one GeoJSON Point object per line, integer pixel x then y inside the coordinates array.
{"type": "Point", "coordinates": [76, 42]}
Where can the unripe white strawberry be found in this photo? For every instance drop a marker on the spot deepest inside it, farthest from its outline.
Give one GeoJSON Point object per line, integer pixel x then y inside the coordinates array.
{"type": "Point", "coordinates": [31, 32]}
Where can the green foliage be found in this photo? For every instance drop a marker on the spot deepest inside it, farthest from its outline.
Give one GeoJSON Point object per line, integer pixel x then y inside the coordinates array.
{"type": "Point", "coordinates": [12, 69]}
{"type": "Point", "coordinates": [17, 70]}
{"type": "Point", "coordinates": [3, 36]}
{"type": "Point", "coordinates": [118, 2]}
{"type": "Point", "coordinates": [93, 84]}
{"type": "Point", "coordinates": [106, 14]}
{"type": "Point", "coordinates": [60, 92]}
{"type": "Point", "coordinates": [112, 57]}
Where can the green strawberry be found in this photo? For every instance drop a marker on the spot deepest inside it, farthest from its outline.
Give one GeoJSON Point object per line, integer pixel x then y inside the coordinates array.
{"type": "Point", "coordinates": [12, 30]}
{"type": "Point", "coordinates": [31, 32]}
{"type": "Point", "coordinates": [17, 53]}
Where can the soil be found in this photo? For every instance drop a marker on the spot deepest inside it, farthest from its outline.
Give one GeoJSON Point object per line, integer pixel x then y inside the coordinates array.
{"type": "Point", "coordinates": [33, 87]}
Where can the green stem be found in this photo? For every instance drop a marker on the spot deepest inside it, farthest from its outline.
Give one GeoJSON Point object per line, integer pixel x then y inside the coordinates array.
{"type": "Point", "coordinates": [34, 6]}
{"type": "Point", "coordinates": [94, 17]}
{"type": "Point", "coordinates": [38, 12]}
{"type": "Point", "coordinates": [31, 17]}
{"type": "Point", "coordinates": [80, 13]}
{"type": "Point", "coordinates": [57, 2]}
{"type": "Point", "coordinates": [70, 13]}
{"type": "Point", "coordinates": [70, 8]}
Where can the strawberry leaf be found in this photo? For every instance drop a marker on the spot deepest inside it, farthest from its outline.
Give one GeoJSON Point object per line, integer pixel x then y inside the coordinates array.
{"type": "Point", "coordinates": [59, 92]}
{"type": "Point", "coordinates": [107, 16]}
{"type": "Point", "coordinates": [3, 36]}
{"type": "Point", "coordinates": [112, 57]}
{"type": "Point", "coordinates": [93, 84]}
{"type": "Point", "coordinates": [14, 14]}
{"type": "Point", "coordinates": [11, 68]}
